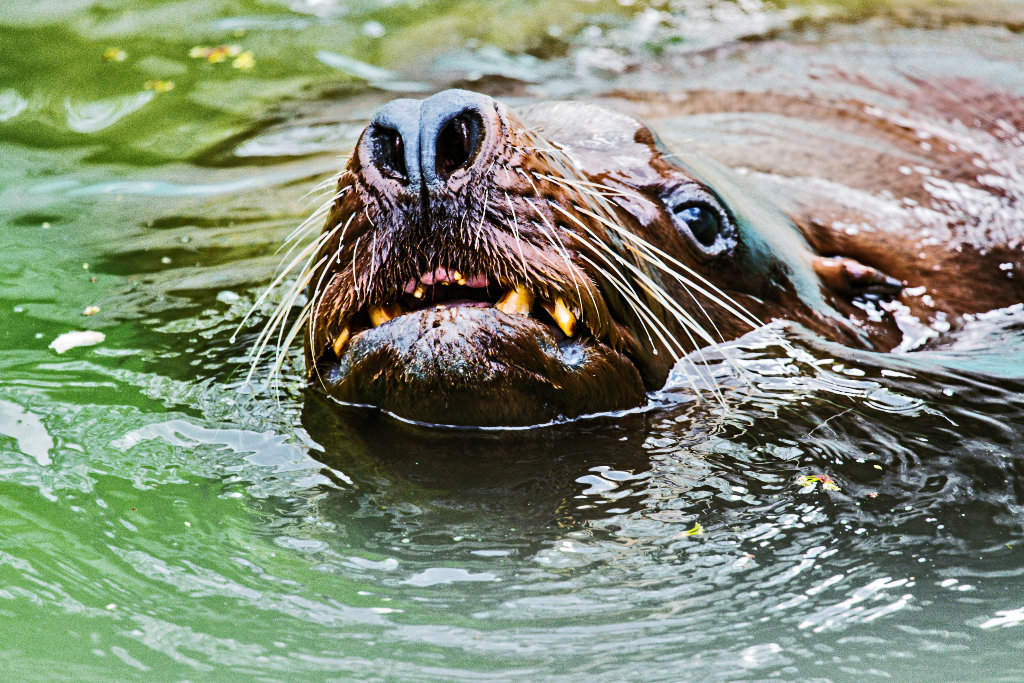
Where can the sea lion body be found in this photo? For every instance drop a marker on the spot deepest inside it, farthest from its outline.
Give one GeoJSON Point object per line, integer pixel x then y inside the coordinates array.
{"type": "Point", "coordinates": [480, 266]}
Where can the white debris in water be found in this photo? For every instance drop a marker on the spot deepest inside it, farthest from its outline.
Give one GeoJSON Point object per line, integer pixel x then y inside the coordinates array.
{"type": "Point", "coordinates": [70, 340]}
{"type": "Point", "coordinates": [374, 29]}
{"type": "Point", "coordinates": [227, 297]}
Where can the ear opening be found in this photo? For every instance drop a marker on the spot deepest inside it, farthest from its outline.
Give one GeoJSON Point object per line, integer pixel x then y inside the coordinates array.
{"type": "Point", "coordinates": [849, 278]}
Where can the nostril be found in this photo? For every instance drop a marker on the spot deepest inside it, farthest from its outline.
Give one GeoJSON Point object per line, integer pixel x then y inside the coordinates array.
{"type": "Point", "coordinates": [457, 143]}
{"type": "Point", "coordinates": [389, 152]}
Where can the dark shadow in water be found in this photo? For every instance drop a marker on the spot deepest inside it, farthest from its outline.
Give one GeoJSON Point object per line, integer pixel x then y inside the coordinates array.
{"type": "Point", "coordinates": [927, 446]}
{"type": "Point", "coordinates": [529, 474]}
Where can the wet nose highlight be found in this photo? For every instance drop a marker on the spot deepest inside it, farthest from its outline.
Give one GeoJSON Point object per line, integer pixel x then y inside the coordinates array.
{"type": "Point", "coordinates": [427, 141]}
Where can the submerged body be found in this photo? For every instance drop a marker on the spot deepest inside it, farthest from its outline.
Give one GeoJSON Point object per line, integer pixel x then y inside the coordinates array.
{"type": "Point", "coordinates": [485, 267]}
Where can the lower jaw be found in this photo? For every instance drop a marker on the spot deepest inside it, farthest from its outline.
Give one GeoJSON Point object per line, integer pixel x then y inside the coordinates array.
{"type": "Point", "coordinates": [485, 408]}
{"type": "Point", "coordinates": [479, 367]}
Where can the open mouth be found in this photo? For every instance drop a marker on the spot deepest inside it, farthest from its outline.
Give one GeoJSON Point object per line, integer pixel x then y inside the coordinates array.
{"type": "Point", "coordinates": [443, 289]}
{"type": "Point", "coordinates": [476, 349]}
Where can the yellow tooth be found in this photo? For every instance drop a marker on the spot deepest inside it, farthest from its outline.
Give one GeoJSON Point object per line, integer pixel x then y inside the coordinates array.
{"type": "Point", "coordinates": [381, 314]}
{"type": "Point", "coordinates": [342, 339]}
{"type": "Point", "coordinates": [459, 279]}
{"type": "Point", "coordinates": [564, 318]}
{"type": "Point", "coordinates": [420, 290]}
{"type": "Point", "coordinates": [518, 300]}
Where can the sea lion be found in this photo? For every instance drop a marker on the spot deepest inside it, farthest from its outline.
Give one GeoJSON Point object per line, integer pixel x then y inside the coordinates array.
{"type": "Point", "coordinates": [480, 266]}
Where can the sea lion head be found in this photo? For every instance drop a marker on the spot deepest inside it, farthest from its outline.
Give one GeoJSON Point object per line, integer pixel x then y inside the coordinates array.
{"type": "Point", "coordinates": [483, 267]}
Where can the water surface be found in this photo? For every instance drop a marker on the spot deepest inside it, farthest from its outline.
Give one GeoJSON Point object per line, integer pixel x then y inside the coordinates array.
{"type": "Point", "coordinates": [845, 515]}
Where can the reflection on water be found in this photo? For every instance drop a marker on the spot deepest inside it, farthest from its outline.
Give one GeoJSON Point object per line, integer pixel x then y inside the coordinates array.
{"type": "Point", "coordinates": [840, 514]}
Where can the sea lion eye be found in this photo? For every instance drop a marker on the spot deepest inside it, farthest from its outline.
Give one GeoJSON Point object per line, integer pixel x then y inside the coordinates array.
{"type": "Point", "coordinates": [701, 220]}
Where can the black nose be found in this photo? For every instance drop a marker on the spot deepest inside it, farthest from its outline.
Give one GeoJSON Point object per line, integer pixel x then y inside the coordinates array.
{"type": "Point", "coordinates": [426, 141]}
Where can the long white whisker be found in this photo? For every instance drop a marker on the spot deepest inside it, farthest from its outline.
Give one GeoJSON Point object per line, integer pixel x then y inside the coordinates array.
{"type": "Point", "coordinates": [316, 217]}
{"type": "Point", "coordinates": [333, 179]}
{"type": "Point", "coordinates": [515, 230]}
{"type": "Point", "coordinates": [337, 254]}
{"type": "Point", "coordinates": [652, 322]}
{"type": "Point", "coordinates": [303, 255]}
{"type": "Point", "coordinates": [556, 242]}
{"type": "Point", "coordinates": [707, 288]}
{"type": "Point", "coordinates": [278, 317]}
{"type": "Point", "coordinates": [683, 317]}
{"type": "Point", "coordinates": [687, 322]}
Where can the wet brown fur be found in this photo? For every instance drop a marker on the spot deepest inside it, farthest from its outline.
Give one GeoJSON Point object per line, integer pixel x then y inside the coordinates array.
{"type": "Point", "coordinates": [975, 134]}
{"type": "Point", "coordinates": [525, 217]}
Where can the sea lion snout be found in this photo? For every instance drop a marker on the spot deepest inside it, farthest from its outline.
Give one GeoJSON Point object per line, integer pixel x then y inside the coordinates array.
{"type": "Point", "coordinates": [426, 144]}
{"type": "Point", "coordinates": [452, 203]}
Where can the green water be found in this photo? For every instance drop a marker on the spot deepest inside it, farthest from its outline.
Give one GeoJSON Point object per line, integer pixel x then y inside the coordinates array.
{"type": "Point", "coordinates": [162, 520]}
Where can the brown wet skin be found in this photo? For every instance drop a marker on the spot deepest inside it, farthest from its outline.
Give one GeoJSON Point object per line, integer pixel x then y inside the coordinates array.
{"type": "Point", "coordinates": [485, 267]}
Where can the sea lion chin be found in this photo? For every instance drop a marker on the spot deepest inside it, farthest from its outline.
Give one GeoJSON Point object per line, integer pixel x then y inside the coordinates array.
{"type": "Point", "coordinates": [483, 267]}
{"type": "Point", "coordinates": [499, 368]}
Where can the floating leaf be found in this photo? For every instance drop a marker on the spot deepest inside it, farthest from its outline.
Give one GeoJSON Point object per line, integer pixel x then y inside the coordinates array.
{"type": "Point", "coordinates": [221, 53]}
{"type": "Point", "coordinates": [811, 480]}
{"type": "Point", "coordinates": [114, 54]}
{"type": "Point", "coordinates": [697, 530]}
{"type": "Point", "coordinates": [244, 60]}
{"type": "Point", "coordinates": [158, 85]}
